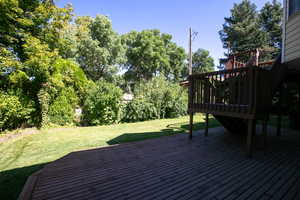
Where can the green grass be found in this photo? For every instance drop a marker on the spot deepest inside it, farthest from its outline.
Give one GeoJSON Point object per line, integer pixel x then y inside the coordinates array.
{"type": "Point", "coordinates": [22, 156]}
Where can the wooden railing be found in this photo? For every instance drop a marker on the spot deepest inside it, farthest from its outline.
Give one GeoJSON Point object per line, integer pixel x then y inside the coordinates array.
{"type": "Point", "coordinates": [256, 57]}
{"type": "Point", "coordinates": [241, 92]}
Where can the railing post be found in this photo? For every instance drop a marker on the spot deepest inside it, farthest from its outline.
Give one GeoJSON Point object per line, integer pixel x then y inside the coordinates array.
{"type": "Point", "coordinates": [191, 125]}
{"type": "Point", "coordinates": [256, 57]}
{"type": "Point", "coordinates": [233, 62]}
{"type": "Point", "coordinates": [279, 118]}
{"type": "Point", "coordinates": [265, 132]}
{"type": "Point", "coordinates": [250, 136]}
{"type": "Point", "coordinates": [191, 102]}
{"type": "Point", "coordinates": [251, 92]}
{"type": "Point", "coordinates": [206, 123]}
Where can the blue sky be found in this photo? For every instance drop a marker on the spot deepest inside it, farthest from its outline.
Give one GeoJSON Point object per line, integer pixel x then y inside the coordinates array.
{"type": "Point", "coordinates": [170, 16]}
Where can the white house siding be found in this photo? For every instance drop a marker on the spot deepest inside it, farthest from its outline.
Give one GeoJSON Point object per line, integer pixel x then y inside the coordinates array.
{"type": "Point", "coordinates": [292, 38]}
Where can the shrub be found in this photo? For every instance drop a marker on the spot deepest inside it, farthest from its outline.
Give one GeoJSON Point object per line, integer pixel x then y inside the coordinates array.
{"type": "Point", "coordinates": [14, 111]}
{"type": "Point", "coordinates": [63, 91]}
{"type": "Point", "coordinates": [169, 98]}
{"type": "Point", "coordinates": [156, 99]}
{"type": "Point", "coordinates": [62, 109]}
{"type": "Point", "coordinates": [102, 104]}
{"type": "Point", "coordinates": [139, 110]}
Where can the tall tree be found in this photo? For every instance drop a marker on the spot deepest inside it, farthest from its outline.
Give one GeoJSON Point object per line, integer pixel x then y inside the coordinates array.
{"type": "Point", "coordinates": [37, 18]}
{"type": "Point", "coordinates": [241, 31]}
{"type": "Point", "coordinates": [270, 18]}
{"type": "Point", "coordinates": [150, 53]}
{"type": "Point", "coordinates": [100, 51]}
{"type": "Point", "coordinates": [31, 66]}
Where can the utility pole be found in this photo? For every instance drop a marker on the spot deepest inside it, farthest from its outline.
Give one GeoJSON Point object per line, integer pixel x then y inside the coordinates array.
{"type": "Point", "coordinates": [190, 51]}
{"type": "Point", "coordinates": [190, 85]}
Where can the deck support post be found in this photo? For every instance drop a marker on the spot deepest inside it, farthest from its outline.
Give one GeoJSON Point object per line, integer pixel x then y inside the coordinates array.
{"type": "Point", "coordinates": [206, 123]}
{"type": "Point", "coordinates": [299, 94]}
{"type": "Point", "coordinates": [279, 117]}
{"type": "Point", "coordinates": [265, 133]}
{"type": "Point", "coordinates": [250, 136]}
{"type": "Point", "coordinates": [191, 125]}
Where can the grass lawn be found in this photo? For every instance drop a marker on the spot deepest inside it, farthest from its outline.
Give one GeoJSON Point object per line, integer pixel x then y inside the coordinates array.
{"type": "Point", "coordinates": [23, 155]}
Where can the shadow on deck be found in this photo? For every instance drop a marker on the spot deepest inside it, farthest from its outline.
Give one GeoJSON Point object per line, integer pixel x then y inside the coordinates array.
{"type": "Point", "coordinates": [12, 181]}
{"type": "Point", "coordinates": [213, 167]}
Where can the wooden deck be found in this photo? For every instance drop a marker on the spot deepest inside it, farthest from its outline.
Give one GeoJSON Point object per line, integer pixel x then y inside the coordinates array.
{"type": "Point", "coordinates": [213, 167]}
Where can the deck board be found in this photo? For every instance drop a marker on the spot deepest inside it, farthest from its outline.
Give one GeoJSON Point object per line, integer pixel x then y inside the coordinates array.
{"type": "Point", "coordinates": [213, 167]}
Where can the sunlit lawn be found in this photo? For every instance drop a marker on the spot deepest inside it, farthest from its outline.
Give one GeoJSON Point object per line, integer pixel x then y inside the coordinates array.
{"type": "Point", "coordinates": [23, 155]}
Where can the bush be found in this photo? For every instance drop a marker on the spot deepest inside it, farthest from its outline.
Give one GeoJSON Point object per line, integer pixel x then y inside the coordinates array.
{"type": "Point", "coordinates": [102, 105]}
{"type": "Point", "coordinates": [14, 111]}
{"type": "Point", "coordinates": [62, 109]}
{"type": "Point", "coordinates": [156, 99]}
{"type": "Point", "coordinates": [64, 90]}
{"type": "Point", "coordinates": [169, 98]}
{"type": "Point", "coordinates": [139, 110]}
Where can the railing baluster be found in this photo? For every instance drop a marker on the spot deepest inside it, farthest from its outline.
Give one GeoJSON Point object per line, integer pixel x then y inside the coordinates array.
{"type": "Point", "coordinates": [201, 94]}
{"type": "Point", "coordinates": [239, 92]}
{"type": "Point", "coordinates": [213, 92]}
{"type": "Point", "coordinates": [231, 91]}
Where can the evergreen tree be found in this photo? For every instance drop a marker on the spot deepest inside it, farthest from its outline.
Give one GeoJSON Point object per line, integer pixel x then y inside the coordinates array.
{"type": "Point", "coordinates": [270, 21]}
{"type": "Point", "coordinates": [241, 31]}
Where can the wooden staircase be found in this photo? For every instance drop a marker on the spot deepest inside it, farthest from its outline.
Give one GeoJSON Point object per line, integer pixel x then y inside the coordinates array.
{"type": "Point", "coordinates": [237, 98]}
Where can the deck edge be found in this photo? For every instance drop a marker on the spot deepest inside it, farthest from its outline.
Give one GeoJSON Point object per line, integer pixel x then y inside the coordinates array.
{"type": "Point", "coordinates": [29, 186]}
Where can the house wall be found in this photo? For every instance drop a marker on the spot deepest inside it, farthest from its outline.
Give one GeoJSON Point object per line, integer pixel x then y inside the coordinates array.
{"type": "Point", "coordinates": [291, 36]}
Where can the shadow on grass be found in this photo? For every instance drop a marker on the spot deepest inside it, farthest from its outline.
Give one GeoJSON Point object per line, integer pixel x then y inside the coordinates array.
{"type": "Point", "coordinates": [172, 129]}
{"type": "Point", "coordinates": [12, 181]}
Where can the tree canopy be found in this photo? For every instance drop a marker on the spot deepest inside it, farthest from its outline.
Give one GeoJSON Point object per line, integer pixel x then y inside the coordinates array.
{"type": "Point", "coordinates": [270, 18]}
{"type": "Point", "coordinates": [32, 69]}
{"type": "Point", "coordinates": [202, 61]}
{"type": "Point", "coordinates": [248, 29]}
{"type": "Point", "coordinates": [241, 30]}
{"type": "Point", "coordinates": [150, 53]}
{"type": "Point", "coordinates": [99, 49]}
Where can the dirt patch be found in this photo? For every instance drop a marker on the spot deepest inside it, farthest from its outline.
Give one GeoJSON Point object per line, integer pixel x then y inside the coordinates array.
{"type": "Point", "coordinates": [17, 133]}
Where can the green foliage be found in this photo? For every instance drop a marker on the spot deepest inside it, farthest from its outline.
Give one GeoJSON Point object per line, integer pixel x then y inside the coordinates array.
{"type": "Point", "coordinates": [241, 31]}
{"type": "Point", "coordinates": [102, 104]}
{"type": "Point", "coordinates": [67, 73]}
{"type": "Point", "coordinates": [139, 109]}
{"type": "Point", "coordinates": [62, 109]}
{"type": "Point", "coordinates": [248, 29]}
{"type": "Point", "coordinates": [14, 110]}
{"type": "Point", "coordinates": [156, 99]}
{"type": "Point", "coordinates": [37, 18]}
{"type": "Point", "coordinates": [202, 62]}
{"type": "Point", "coordinates": [99, 47]}
{"type": "Point", "coordinates": [52, 63]}
{"type": "Point", "coordinates": [270, 18]}
{"type": "Point", "coordinates": [58, 98]}
{"type": "Point", "coordinates": [44, 101]}
{"type": "Point", "coordinates": [150, 53]}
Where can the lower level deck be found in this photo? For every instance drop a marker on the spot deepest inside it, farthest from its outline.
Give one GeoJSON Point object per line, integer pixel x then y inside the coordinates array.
{"type": "Point", "coordinates": [174, 167]}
